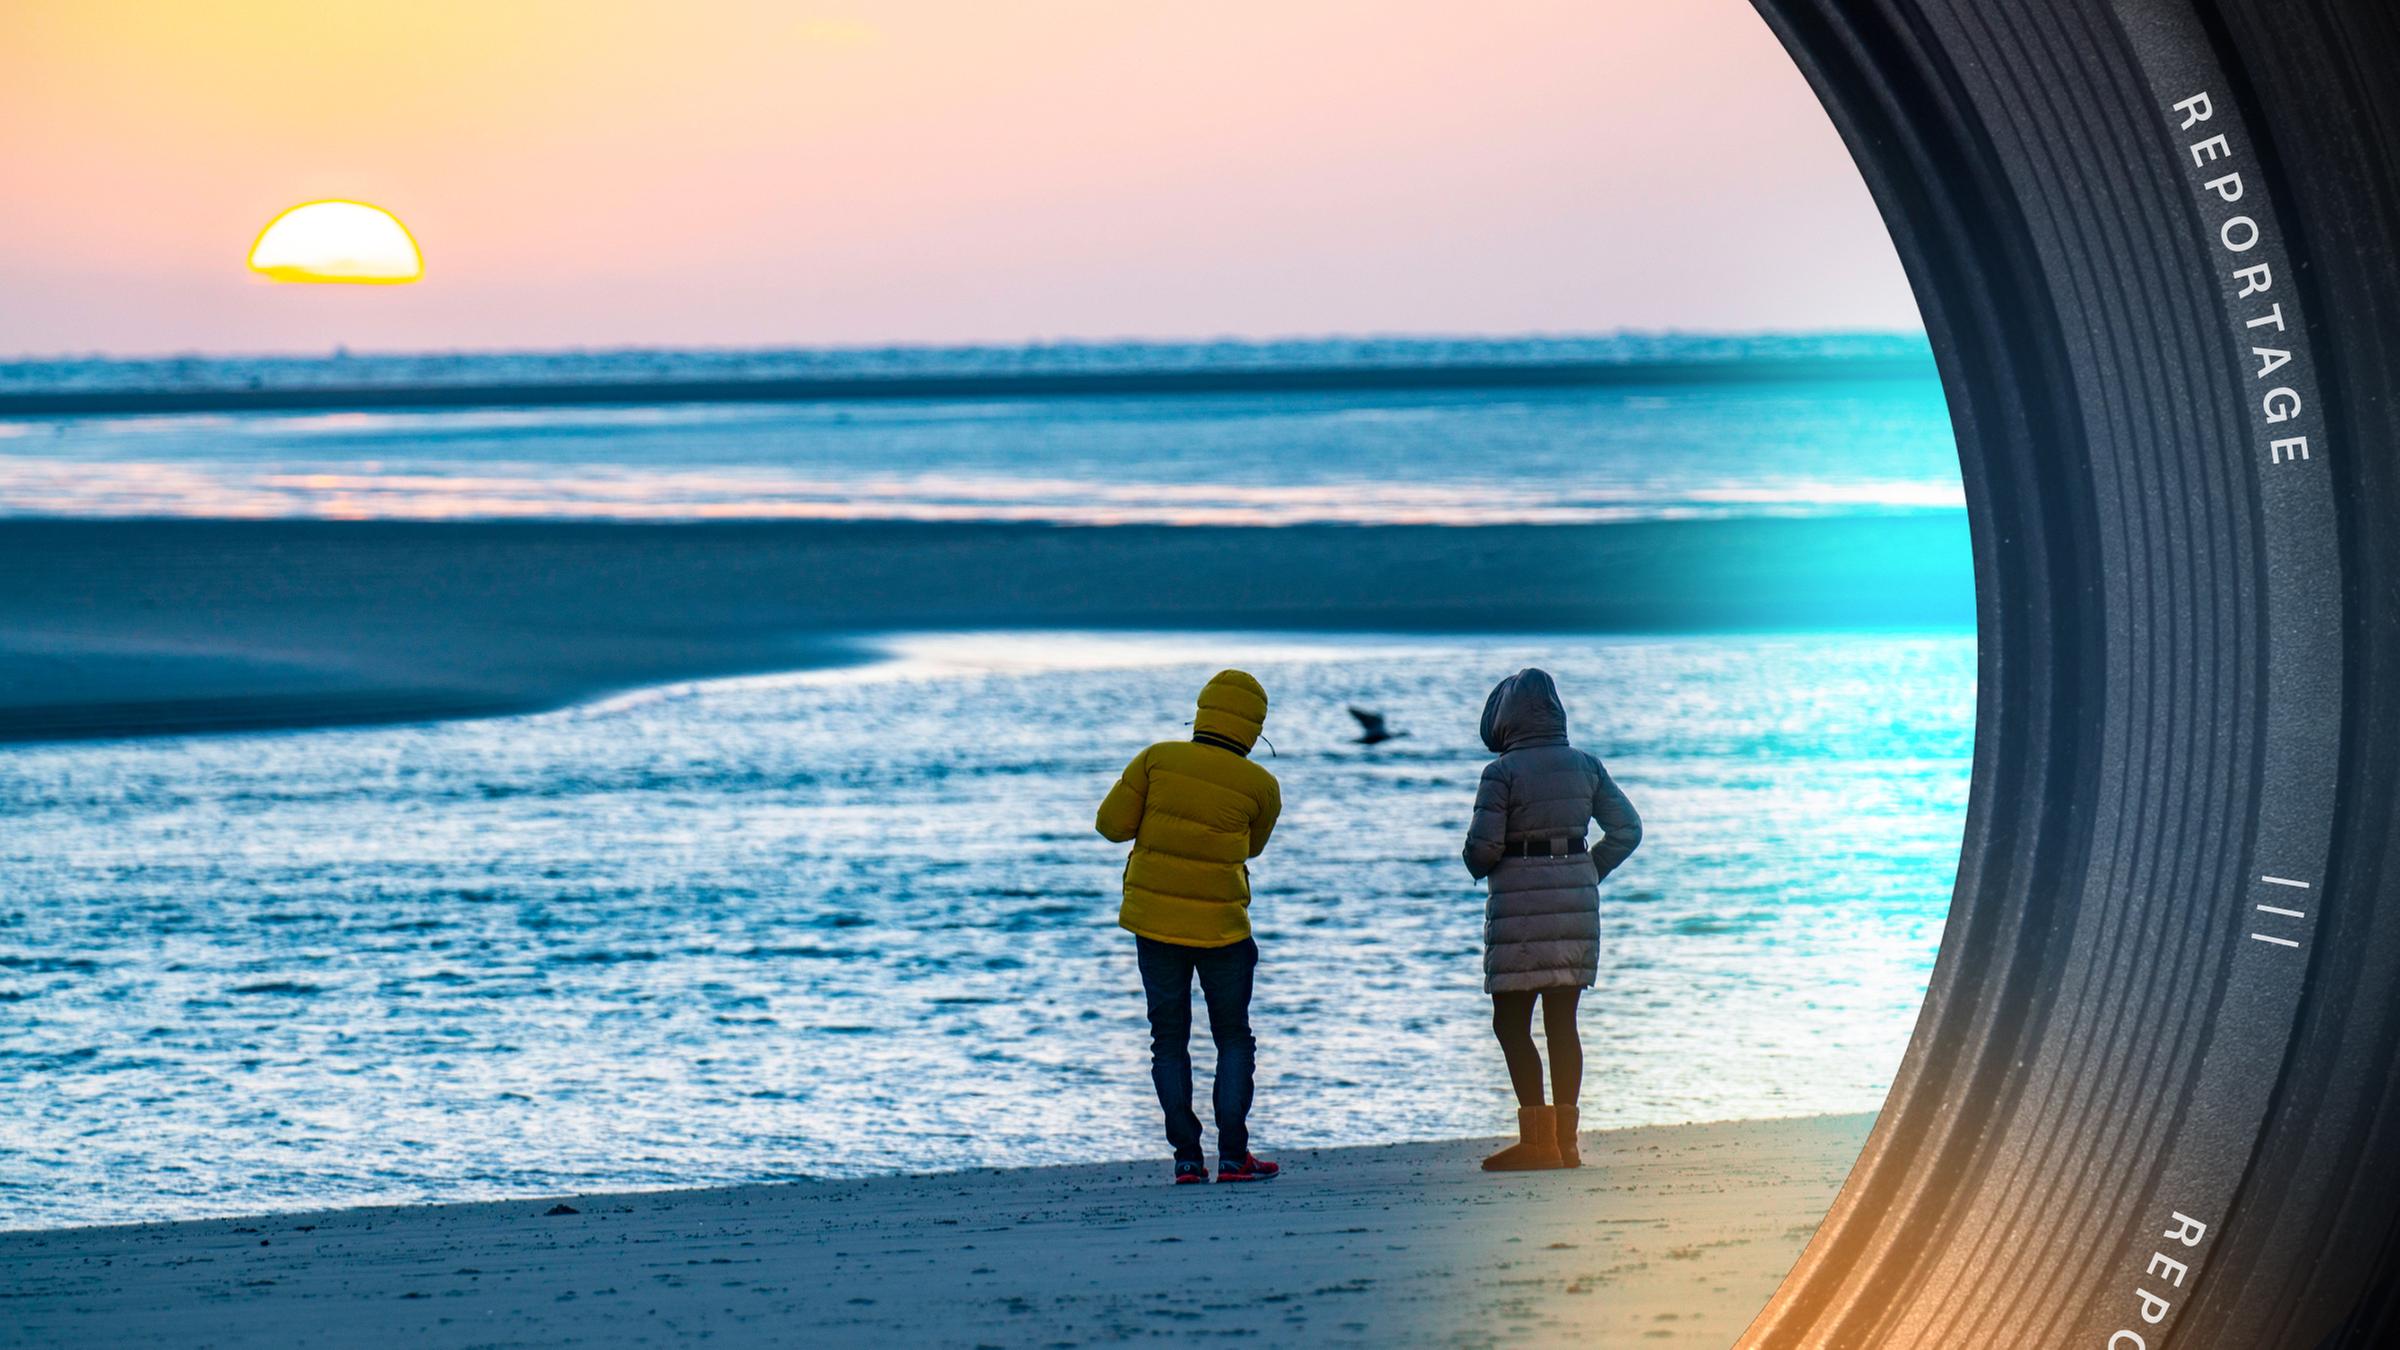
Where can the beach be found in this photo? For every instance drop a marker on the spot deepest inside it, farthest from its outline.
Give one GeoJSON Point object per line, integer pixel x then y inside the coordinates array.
{"type": "Point", "coordinates": [718, 871]}
{"type": "Point", "coordinates": [136, 627]}
{"type": "Point", "coordinates": [1667, 1236]}
{"type": "Point", "coordinates": [428, 805]}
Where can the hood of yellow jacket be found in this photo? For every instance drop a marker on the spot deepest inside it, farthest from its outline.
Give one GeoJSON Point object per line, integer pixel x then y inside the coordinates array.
{"type": "Point", "coordinates": [1233, 704]}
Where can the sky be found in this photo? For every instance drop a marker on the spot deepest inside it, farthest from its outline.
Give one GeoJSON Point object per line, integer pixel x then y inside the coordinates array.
{"type": "Point", "coordinates": [601, 173]}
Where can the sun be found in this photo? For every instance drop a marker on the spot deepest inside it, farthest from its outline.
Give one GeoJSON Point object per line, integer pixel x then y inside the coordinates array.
{"type": "Point", "coordinates": [337, 241]}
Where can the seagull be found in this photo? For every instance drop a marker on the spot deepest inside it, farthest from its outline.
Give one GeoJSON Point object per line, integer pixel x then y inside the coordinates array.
{"type": "Point", "coordinates": [1371, 727]}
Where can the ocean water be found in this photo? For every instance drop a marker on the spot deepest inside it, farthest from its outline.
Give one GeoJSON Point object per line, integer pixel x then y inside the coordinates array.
{"type": "Point", "coordinates": [633, 365]}
{"type": "Point", "coordinates": [1729, 446]}
{"type": "Point", "coordinates": [857, 920]}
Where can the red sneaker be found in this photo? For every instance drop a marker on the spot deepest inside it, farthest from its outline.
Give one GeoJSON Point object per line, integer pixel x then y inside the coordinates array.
{"type": "Point", "coordinates": [1191, 1173]}
{"type": "Point", "coordinates": [1251, 1167]}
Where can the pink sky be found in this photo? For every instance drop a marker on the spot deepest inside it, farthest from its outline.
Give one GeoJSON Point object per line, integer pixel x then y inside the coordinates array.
{"type": "Point", "coordinates": [597, 173]}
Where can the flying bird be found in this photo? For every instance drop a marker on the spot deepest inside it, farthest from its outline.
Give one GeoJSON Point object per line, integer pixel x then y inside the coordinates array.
{"type": "Point", "coordinates": [1371, 728]}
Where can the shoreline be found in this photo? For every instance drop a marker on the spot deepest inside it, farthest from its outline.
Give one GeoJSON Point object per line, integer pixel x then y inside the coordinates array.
{"type": "Point", "coordinates": [1669, 1235]}
{"type": "Point", "coordinates": [116, 628]}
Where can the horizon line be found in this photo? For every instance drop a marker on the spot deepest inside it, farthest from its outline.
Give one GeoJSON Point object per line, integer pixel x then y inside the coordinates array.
{"type": "Point", "coordinates": [344, 351]}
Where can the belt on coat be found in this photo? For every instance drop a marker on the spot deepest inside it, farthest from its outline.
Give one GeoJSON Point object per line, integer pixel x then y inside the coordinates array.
{"type": "Point", "coordinates": [1545, 848]}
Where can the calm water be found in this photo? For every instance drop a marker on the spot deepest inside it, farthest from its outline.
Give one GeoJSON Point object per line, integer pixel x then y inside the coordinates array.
{"type": "Point", "coordinates": [857, 920]}
{"type": "Point", "coordinates": [1723, 448]}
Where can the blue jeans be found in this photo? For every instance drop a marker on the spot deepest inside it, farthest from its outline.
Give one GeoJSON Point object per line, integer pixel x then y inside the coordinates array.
{"type": "Point", "coordinates": [1225, 974]}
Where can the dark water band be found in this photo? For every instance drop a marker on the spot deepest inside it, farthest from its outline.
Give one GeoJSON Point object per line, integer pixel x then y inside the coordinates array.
{"type": "Point", "coordinates": [1296, 379]}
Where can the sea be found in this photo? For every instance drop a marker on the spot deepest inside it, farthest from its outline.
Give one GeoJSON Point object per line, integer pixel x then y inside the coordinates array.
{"type": "Point", "coordinates": [855, 920]}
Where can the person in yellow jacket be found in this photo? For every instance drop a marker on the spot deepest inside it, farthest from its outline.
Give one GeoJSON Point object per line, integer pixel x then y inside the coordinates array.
{"type": "Point", "coordinates": [1197, 811]}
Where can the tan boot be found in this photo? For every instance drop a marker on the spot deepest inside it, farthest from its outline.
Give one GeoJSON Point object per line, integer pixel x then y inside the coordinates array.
{"type": "Point", "coordinates": [1536, 1148]}
{"type": "Point", "coordinates": [1570, 1152]}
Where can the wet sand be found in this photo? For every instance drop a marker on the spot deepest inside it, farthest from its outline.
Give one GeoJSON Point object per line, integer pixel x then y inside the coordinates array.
{"type": "Point", "coordinates": [1669, 1236]}
{"type": "Point", "coordinates": [116, 628]}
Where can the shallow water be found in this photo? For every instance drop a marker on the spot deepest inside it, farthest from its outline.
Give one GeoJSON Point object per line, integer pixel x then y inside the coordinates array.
{"type": "Point", "coordinates": [857, 921]}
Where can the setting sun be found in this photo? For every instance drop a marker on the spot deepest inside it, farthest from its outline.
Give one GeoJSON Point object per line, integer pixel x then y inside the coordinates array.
{"type": "Point", "coordinates": [337, 241]}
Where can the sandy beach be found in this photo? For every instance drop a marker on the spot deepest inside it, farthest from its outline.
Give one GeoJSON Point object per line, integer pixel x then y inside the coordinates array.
{"type": "Point", "coordinates": [1668, 1236]}
{"type": "Point", "coordinates": [114, 628]}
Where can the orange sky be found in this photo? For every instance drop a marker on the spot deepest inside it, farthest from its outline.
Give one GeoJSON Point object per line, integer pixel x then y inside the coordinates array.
{"type": "Point", "coordinates": [597, 172]}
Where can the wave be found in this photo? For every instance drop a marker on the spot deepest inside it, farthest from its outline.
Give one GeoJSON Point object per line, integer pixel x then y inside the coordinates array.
{"type": "Point", "coordinates": [41, 486]}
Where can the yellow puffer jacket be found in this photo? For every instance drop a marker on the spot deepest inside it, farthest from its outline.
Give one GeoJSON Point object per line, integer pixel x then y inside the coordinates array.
{"type": "Point", "coordinates": [1196, 812]}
